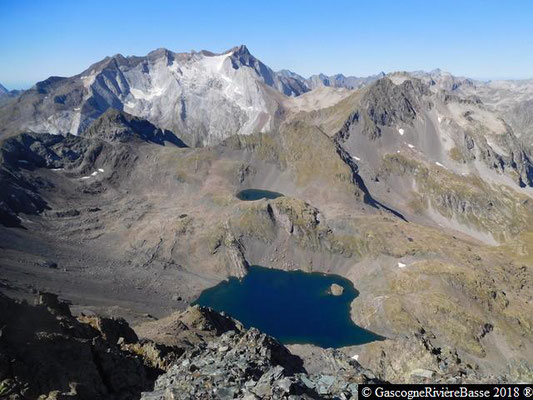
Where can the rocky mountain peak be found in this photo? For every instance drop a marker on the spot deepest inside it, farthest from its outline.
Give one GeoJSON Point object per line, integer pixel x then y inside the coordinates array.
{"type": "Point", "coordinates": [241, 50]}
{"type": "Point", "coordinates": [109, 62]}
{"type": "Point", "coordinates": [117, 125]}
{"type": "Point", "coordinates": [161, 53]}
{"type": "Point", "coordinates": [113, 61]}
{"type": "Point", "coordinates": [412, 88]}
{"type": "Point", "coordinates": [387, 101]}
{"type": "Point", "coordinates": [118, 57]}
{"type": "Point", "coordinates": [241, 56]}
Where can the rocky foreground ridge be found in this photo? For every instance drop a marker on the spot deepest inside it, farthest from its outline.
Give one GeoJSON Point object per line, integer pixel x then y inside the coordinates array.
{"type": "Point", "coordinates": [47, 353]}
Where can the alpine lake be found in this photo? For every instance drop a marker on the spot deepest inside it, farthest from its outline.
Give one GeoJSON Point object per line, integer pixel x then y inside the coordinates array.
{"type": "Point", "coordinates": [292, 306]}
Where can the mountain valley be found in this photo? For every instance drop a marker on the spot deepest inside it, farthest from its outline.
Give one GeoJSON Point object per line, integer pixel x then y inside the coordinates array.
{"type": "Point", "coordinates": [122, 193]}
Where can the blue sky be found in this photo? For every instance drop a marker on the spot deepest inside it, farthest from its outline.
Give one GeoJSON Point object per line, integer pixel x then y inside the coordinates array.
{"type": "Point", "coordinates": [481, 39]}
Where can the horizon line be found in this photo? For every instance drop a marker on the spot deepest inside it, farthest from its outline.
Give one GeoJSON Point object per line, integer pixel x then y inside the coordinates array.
{"type": "Point", "coordinates": [26, 85]}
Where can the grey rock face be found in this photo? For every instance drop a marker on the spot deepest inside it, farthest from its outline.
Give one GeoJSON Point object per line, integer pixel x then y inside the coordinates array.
{"type": "Point", "coordinates": [115, 125]}
{"type": "Point", "coordinates": [286, 82]}
{"type": "Point", "coordinates": [45, 351]}
{"type": "Point", "coordinates": [511, 99]}
{"type": "Point", "coordinates": [249, 364]}
{"type": "Point", "coordinates": [478, 134]}
{"type": "Point", "coordinates": [386, 104]}
{"type": "Point", "coordinates": [520, 118]}
{"type": "Point", "coordinates": [19, 190]}
{"type": "Point", "coordinates": [205, 97]}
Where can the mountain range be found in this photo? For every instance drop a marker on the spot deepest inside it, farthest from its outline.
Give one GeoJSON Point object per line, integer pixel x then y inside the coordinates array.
{"type": "Point", "coordinates": [119, 193]}
{"type": "Point", "coordinates": [235, 83]}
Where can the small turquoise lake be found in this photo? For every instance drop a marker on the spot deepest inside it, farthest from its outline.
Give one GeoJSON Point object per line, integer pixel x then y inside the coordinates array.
{"type": "Point", "coordinates": [292, 306]}
{"type": "Point", "coordinates": [257, 194]}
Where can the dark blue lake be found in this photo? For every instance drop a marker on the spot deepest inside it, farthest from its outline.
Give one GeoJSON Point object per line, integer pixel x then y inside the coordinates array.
{"type": "Point", "coordinates": [294, 307]}
{"type": "Point", "coordinates": [257, 194]}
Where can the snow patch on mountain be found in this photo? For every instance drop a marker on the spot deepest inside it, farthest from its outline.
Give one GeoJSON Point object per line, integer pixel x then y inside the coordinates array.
{"type": "Point", "coordinates": [214, 64]}
{"type": "Point", "coordinates": [139, 94]}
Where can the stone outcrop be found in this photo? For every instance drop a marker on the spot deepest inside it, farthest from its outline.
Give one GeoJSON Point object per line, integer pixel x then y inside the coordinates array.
{"type": "Point", "coordinates": [115, 125]}
{"type": "Point", "coordinates": [248, 364]}
{"type": "Point", "coordinates": [336, 290]}
{"type": "Point", "coordinates": [225, 360]}
{"type": "Point", "coordinates": [47, 353]}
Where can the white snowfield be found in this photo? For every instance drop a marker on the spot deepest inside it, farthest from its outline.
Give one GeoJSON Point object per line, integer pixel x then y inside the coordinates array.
{"type": "Point", "coordinates": [401, 265]}
{"type": "Point", "coordinates": [206, 97]}
{"type": "Point", "coordinates": [401, 131]}
{"type": "Point", "coordinates": [201, 93]}
{"type": "Point", "coordinates": [148, 95]}
{"type": "Point", "coordinates": [100, 170]}
{"type": "Point", "coordinates": [214, 64]}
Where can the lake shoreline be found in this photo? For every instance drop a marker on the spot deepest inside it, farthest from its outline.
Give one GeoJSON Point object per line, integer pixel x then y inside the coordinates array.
{"type": "Point", "coordinates": [296, 307]}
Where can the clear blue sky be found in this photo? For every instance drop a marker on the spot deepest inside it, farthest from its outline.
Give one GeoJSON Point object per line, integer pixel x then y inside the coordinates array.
{"type": "Point", "coordinates": [481, 39]}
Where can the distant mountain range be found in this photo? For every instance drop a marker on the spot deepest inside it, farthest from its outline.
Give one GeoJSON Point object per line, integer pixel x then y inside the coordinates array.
{"type": "Point", "coordinates": [205, 97]}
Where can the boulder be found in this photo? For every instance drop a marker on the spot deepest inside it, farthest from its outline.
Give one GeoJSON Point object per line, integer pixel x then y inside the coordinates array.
{"type": "Point", "coordinates": [336, 290]}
